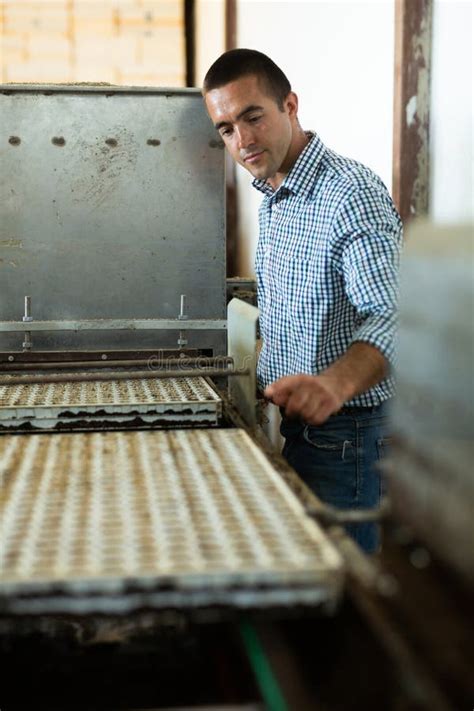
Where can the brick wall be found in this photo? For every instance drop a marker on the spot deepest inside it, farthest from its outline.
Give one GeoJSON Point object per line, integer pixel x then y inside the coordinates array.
{"type": "Point", "coordinates": [129, 42]}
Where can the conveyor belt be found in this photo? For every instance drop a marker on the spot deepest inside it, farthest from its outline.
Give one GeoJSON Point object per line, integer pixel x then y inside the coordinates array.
{"type": "Point", "coordinates": [113, 521]}
{"type": "Point", "coordinates": [108, 404]}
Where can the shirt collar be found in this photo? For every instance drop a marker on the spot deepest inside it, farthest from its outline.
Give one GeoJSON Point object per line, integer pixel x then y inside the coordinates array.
{"type": "Point", "coordinates": [299, 179]}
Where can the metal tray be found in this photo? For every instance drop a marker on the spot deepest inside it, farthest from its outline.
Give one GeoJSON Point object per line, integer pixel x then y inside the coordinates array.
{"type": "Point", "coordinates": [117, 521]}
{"type": "Point", "coordinates": [105, 405]}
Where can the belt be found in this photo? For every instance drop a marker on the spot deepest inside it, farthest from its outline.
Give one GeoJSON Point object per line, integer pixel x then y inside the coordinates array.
{"type": "Point", "coordinates": [356, 410]}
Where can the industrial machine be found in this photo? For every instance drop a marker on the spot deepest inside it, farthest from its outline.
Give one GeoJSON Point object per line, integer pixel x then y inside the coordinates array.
{"type": "Point", "coordinates": [150, 536]}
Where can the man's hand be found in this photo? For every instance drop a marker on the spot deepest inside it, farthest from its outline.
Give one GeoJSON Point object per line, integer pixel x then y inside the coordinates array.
{"type": "Point", "coordinates": [311, 397]}
{"type": "Point", "coordinates": [314, 398]}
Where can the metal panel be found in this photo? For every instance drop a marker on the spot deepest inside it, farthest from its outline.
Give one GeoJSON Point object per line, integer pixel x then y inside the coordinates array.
{"type": "Point", "coordinates": [111, 206]}
{"type": "Point", "coordinates": [179, 517]}
{"type": "Point", "coordinates": [243, 318]}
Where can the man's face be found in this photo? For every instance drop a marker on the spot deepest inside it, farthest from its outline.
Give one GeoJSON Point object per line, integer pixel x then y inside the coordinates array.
{"type": "Point", "coordinates": [257, 134]}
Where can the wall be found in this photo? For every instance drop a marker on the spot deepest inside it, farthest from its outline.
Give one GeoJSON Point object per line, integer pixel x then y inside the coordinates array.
{"type": "Point", "coordinates": [131, 42]}
{"type": "Point", "coordinates": [451, 120]}
{"type": "Point", "coordinates": [338, 56]}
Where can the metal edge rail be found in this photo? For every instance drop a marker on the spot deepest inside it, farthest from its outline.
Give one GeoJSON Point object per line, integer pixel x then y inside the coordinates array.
{"type": "Point", "coordinates": [110, 324]}
{"type": "Point", "coordinates": [93, 377]}
{"type": "Point", "coordinates": [152, 363]}
{"type": "Point", "coordinates": [94, 88]}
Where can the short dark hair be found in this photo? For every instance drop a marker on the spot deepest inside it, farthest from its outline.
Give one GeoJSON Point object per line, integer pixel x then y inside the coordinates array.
{"type": "Point", "coordinates": [237, 63]}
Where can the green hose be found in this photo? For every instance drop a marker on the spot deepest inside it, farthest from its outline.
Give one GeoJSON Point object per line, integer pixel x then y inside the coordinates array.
{"type": "Point", "coordinates": [269, 687]}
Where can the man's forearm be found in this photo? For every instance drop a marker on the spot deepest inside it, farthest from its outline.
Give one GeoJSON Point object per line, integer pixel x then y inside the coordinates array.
{"type": "Point", "coordinates": [360, 368]}
{"type": "Point", "coordinates": [315, 397]}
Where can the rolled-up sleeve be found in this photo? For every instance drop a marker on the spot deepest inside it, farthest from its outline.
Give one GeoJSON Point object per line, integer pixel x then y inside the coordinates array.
{"type": "Point", "coordinates": [368, 231]}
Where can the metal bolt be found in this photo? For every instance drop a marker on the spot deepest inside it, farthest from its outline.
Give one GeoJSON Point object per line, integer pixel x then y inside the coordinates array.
{"type": "Point", "coordinates": [182, 341]}
{"type": "Point", "coordinates": [182, 308]}
{"type": "Point", "coordinates": [11, 358]}
{"type": "Point", "coordinates": [27, 316]}
{"type": "Point", "coordinates": [104, 356]}
{"type": "Point", "coordinates": [27, 343]}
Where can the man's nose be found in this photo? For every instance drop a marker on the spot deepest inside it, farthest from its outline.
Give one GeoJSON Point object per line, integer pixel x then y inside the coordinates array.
{"type": "Point", "coordinates": [245, 137]}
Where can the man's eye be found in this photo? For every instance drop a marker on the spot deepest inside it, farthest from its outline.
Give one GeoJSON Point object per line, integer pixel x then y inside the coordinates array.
{"type": "Point", "coordinates": [254, 119]}
{"type": "Point", "coordinates": [226, 131]}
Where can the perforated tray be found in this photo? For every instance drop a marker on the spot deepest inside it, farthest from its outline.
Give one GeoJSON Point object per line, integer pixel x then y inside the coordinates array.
{"type": "Point", "coordinates": [108, 404]}
{"type": "Point", "coordinates": [114, 521]}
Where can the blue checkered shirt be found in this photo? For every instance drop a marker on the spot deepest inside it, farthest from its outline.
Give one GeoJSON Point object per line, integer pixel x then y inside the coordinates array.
{"type": "Point", "coordinates": [327, 267]}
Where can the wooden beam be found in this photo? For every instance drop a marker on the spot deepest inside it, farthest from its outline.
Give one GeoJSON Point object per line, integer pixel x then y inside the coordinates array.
{"type": "Point", "coordinates": [230, 24]}
{"type": "Point", "coordinates": [190, 41]}
{"type": "Point", "coordinates": [413, 29]}
{"type": "Point", "coordinates": [231, 177]}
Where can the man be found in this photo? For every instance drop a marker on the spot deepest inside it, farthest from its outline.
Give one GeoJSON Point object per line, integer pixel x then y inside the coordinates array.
{"type": "Point", "coordinates": [326, 266]}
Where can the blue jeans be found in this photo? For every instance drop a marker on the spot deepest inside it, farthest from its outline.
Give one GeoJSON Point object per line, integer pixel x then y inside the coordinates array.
{"type": "Point", "coordinates": [338, 462]}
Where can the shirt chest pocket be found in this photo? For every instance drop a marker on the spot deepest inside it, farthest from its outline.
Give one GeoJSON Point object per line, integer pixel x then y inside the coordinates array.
{"type": "Point", "coordinates": [295, 282]}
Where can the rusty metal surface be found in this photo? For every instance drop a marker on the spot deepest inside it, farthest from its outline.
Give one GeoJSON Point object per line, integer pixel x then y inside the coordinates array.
{"type": "Point", "coordinates": [191, 516]}
{"type": "Point", "coordinates": [52, 405]}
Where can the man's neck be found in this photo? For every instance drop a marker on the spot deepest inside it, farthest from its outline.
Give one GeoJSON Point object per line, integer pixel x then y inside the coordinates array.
{"type": "Point", "coordinates": [299, 143]}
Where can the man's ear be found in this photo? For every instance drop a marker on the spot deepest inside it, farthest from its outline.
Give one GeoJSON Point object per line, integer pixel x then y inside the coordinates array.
{"type": "Point", "coordinates": [290, 104]}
